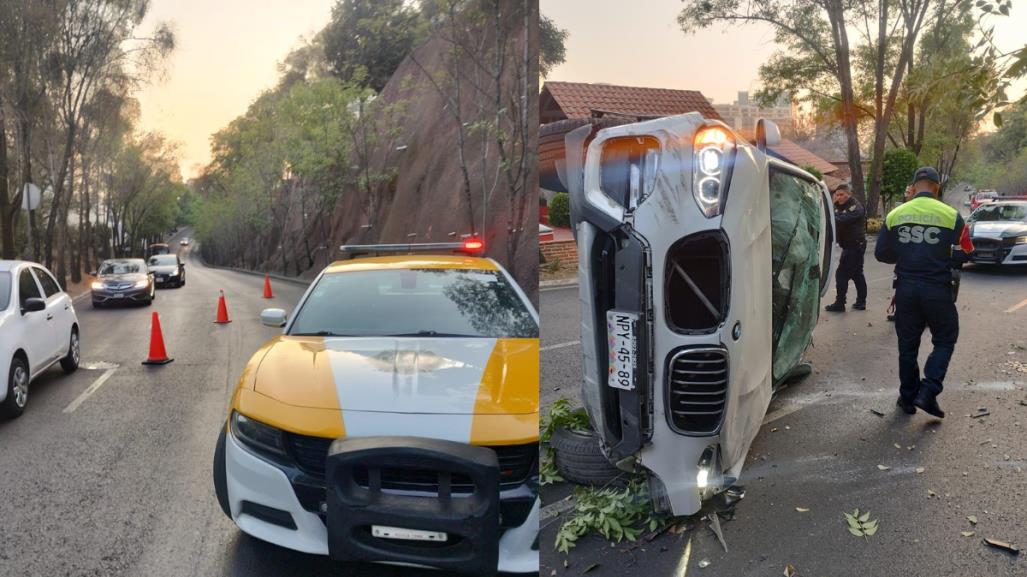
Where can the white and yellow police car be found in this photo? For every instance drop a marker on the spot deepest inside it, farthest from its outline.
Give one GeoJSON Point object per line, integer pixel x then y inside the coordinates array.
{"type": "Point", "coordinates": [395, 419]}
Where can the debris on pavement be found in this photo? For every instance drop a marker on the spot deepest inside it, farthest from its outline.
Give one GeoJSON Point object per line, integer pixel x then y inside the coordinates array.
{"type": "Point", "coordinates": [920, 470]}
{"type": "Point", "coordinates": [968, 533]}
{"type": "Point", "coordinates": [883, 467]}
{"type": "Point", "coordinates": [972, 519]}
{"type": "Point", "coordinates": [714, 520]}
{"type": "Point", "coordinates": [1002, 545]}
{"type": "Point", "coordinates": [704, 563]}
{"type": "Point", "coordinates": [860, 525]}
{"type": "Point", "coordinates": [880, 414]}
{"type": "Point", "coordinates": [802, 509]}
{"type": "Point", "coordinates": [790, 571]}
{"type": "Point", "coordinates": [982, 413]}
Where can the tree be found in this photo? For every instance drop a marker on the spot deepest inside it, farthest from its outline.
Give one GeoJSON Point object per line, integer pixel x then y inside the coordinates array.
{"type": "Point", "coordinates": [898, 168]}
{"type": "Point", "coordinates": [551, 52]}
{"type": "Point", "coordinates": [366, 41]}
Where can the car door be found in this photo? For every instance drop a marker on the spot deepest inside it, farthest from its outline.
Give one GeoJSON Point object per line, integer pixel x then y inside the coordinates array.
{"type": "Point", "coordinates": [36, 331]}
{"type": "Point", "coordinates": [58, 308]}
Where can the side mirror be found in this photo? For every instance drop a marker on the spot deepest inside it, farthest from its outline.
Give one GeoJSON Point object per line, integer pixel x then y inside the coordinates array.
{"type": "Point", "coordinates": [767, 134]}
{"type": "Point", "coordinates": [33, 305]}
{"type": "Point", "coordinates": [273, 317]}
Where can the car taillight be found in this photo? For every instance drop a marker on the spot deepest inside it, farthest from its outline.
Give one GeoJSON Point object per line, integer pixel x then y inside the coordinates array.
{"type": "Point", "coordinates": [713, 158]}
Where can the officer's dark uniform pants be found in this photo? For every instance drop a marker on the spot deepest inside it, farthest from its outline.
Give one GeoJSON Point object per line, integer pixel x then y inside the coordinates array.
{"type": "Point", "coordinates": [850, 267]}
{"type": "Point", "coordinates": [920, 304]}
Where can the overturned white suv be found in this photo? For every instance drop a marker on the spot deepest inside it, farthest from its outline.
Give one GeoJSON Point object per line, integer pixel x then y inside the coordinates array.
{"type": "Point", "coordinates": [702, 262]}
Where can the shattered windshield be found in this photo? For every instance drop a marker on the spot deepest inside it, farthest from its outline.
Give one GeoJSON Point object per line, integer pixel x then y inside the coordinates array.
{"type": "Point", "coordinates": [1000, 212]}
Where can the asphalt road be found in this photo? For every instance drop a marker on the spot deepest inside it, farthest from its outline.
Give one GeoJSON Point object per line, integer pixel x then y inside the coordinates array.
{"type": "Point", "coordinates": [122, 485]}
{"type": "Point", "coordinates": [820, 448]}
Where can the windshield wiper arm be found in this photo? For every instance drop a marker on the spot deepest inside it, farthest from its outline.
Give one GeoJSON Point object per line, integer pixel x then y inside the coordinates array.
{"type": "Point", "coordinates": [322, 334]}
{"type": "Point", "coordinates": [432, 334]}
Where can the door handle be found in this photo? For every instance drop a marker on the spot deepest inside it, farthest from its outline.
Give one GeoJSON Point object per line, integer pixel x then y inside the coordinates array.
{"type": "Point", "coordinates": [49, 317]}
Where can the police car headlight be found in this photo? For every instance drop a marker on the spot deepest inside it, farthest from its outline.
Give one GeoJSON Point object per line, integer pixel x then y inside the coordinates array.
{"type": "Point", "coordinates": [261, 438]}
{"type": "Point", "coordinates": [713, 158]}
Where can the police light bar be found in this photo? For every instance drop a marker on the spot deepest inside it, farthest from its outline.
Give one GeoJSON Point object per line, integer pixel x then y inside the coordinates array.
{"type": "Point", "coordinates": [471, 246]}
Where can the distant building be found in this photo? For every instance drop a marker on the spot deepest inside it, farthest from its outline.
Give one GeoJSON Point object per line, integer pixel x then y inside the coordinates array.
{"type": "Point", "coordinates": [743, 114]}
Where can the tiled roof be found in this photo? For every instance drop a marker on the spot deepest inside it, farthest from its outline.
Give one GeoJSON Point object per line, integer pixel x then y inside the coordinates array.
{"type": "Point", "coordinates": [801, 157]}
{"type": "Point", "coordinates": [579, 99]}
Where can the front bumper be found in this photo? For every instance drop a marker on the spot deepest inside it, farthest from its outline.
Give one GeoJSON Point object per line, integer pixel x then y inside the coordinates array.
{"type": "Point", "coordinates": [137, 295]}
{"type": "Point", "coordinates": [998, 251]}
{"type": "Point", "coordinates": [264, 503]}
{"type": "Point", "coordinates": [166, 279]}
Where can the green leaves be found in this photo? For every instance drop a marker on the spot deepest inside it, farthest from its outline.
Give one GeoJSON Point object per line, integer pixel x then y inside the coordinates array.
{"type": "Point", "coordinates": [860, 525]}
{"type": "Point", "coordinates": [616, 514]}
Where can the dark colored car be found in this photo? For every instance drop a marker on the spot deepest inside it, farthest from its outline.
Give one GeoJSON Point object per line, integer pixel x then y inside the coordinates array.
{"type": "Point", "coordinates": [158, 248]}
{"type": "Point", "coordinates": [167, 269]}
{"type": "Point", "coordinates": [123, 280]}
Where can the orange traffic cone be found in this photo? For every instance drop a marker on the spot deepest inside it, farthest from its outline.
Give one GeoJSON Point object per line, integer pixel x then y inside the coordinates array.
{"type": "Point", "coordinates": [222, 310]}
{"type": "Point", "coordinates": [267, 287]}
{"type": "Point", "coordinates": [158, 356]}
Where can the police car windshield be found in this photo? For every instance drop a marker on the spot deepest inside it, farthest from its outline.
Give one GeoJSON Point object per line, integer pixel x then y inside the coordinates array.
{"type": "Point", "coordinates": [999, 212]}
{"type": "Point", "coordinates": [415, 302]}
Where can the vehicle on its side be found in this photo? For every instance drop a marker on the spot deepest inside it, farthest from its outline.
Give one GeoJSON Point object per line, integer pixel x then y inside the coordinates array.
{"type": "Point", "coordinates": [184, 242]}
{"type": "Point", "coordinates": [123, 280]}
{"type": "Point", "coordinates": [395, 419]}
{"type": "Point", "coordinates": [702, 262]}
{"type": "Point", "coordinates": [157, 248]}
{"type": "Point", "coordinates": [167, 269]}
{"type": "Point", "coordinates": [38, 327]}
{"type": "Point", "coordinates": [999, 233]}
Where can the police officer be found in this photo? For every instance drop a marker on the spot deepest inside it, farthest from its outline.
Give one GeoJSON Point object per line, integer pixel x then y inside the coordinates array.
{"type": "Point", "coordinates": [917, 238]}
{"type": "Point", "coordinates": [850, 226]}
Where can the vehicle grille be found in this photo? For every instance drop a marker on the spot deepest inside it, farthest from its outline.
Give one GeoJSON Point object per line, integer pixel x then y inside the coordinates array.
{"type": "Point", "coordinates": [697, 390]}
{"type": "Point", "coordinates": [516, 463]}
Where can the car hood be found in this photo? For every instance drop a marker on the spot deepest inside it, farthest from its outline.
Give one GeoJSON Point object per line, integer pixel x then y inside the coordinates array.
{"type": "Point", "coordinates": [440, 376]}
{"type": "Point", "coordinates": [998, 229]}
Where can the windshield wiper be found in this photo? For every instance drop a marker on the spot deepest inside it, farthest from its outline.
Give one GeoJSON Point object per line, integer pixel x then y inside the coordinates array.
{"type": "Point", "coordinates": [322, 334]}
{"type": "Point", "coordinates": [432, 334]}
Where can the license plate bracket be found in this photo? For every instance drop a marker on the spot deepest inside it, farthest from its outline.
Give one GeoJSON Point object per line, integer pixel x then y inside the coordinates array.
{"type": "Point", "coordinates": [406, 534]}
{"type": "Point", "coordinates": [622, 341]}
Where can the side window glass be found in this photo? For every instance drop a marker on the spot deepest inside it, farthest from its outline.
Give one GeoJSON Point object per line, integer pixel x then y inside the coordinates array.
{"type": "Point", "coordinates": [50, 286]}
{"type": "Point", "coordinates": [27, 288]}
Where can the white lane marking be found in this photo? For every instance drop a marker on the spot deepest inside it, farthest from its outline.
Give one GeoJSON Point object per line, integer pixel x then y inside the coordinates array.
{"type": "Point", "coordinates": [1017, 307]}
{"type": "Point", "coordinates": [559, 346]}
{"type": "Point", "coordinates": [92, 389]}
{"type": "Point", "coordinates": [558, 288]}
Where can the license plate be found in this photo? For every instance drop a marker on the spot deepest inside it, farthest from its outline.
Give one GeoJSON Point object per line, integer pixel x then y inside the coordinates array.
{"type": "Point", "coordinates": [118, 296]}
{"type": "Point", "coordinates": [400, 533]}
{"type": "Point", "coordinates": [620, 336]}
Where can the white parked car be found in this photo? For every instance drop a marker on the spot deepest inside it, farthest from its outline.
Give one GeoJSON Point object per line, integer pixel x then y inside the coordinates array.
{"type": "Point", "coordinates": [38, 328]}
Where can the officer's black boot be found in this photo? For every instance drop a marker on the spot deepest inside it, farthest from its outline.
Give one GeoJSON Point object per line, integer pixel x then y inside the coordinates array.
{"type": "Point", "coordinates": [928, 403]}
{"type": "Point", "coordinates": [836, 307]}
{"type": "Point", "coordinates": [859, 306]}
{"type": "Point", "coordinates": [906, 406]}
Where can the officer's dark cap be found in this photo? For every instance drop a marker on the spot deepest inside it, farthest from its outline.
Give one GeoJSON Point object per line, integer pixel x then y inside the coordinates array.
{"type": "Point", "coordinates": [927, 173]}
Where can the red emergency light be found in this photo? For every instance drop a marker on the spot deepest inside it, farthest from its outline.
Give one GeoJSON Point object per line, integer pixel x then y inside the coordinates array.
{"type": "Point", "coordinates": [474, 245]}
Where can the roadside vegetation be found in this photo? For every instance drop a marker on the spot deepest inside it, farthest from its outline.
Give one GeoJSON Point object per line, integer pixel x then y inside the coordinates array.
{"type": "Point", "coordinates": [69, 130]}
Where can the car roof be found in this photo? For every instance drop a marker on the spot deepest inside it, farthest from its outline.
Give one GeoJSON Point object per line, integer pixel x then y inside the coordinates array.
{"type": "Point", "coordinates": [9, 265]}
{"type": "Point", "coordinates": [409, 261]}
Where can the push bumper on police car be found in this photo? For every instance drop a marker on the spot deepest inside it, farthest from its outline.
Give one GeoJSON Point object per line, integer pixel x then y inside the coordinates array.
{"type": "Point", "coordinates": [370, 504]}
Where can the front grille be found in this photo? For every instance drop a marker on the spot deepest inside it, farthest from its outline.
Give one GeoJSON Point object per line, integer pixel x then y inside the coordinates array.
{"type": "Point", "coordinates": [697, 283]}
{"type": "Point", "coordinates": [697, 390]}
{"type": "Point", "coordinates": [516, 463]}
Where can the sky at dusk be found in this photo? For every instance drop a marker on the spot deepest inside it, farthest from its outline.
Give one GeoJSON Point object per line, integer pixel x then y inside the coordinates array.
{"type": "Point", "coordinates": [639, 43]}
{"type": "Point", "coordinates": [227, 53]}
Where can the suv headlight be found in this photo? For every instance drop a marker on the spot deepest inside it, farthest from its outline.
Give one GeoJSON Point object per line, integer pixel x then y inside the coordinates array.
{"type": "Point", "coordinates": [96, 285]}
{"type": "Point", "coordinates": [263, 439]}
{"type": "Point", "coordinates": [713, 159]}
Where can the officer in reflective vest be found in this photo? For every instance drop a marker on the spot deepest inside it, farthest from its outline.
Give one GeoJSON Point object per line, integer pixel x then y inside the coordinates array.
{"type": "Point", "coordinates": [917, 238]}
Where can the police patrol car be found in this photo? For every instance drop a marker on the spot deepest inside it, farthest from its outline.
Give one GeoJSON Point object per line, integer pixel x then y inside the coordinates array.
{"type": "Point", "coordinates": [395, 419]}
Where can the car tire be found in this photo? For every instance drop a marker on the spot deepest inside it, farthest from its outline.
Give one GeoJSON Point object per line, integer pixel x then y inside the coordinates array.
{"type": "Point", "coordinates": [97, 305]}
{"type": "Point", "coordinates": [17, 394]}
{"type": "Point", "coordinates": [70, 361]}
{"type": "Point", "coordinates": [580, 460]}
{"type": "Point", "coordinates": [221, 475]}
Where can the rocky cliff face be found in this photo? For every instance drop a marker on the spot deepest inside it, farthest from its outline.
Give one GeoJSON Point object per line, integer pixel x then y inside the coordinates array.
{"type": "Point", "coordinates": [475, 83]}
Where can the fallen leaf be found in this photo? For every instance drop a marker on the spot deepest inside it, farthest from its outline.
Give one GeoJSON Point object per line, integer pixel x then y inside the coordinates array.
{"type": "Point", "coordinates": [931, 493]}
{"type": "Point", "coordinates": [968, 533]}
{"type": "Point", "coordinates": [704, 563]}
{"type": "Point", "coordinates": [898, 446]}
{"type": "Point", "coordinates": [774, 430]}
{"type": "Point", "coordinates": [983, 414]}
{"type": "Point", "coordinates": [880, 414]}
{"type": "Point", "coordinates": [789, 571]}
{"type": "Point", "coordinates": [802, 509]}
{"type": "Point", "coordinates": [883, 467]}
{"type": "Point", "coordinates": [590, 567]}
{"type": "Point", "coordinates": [920, 470]}
{"type": "Point", "coordinates": [972, 519]}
